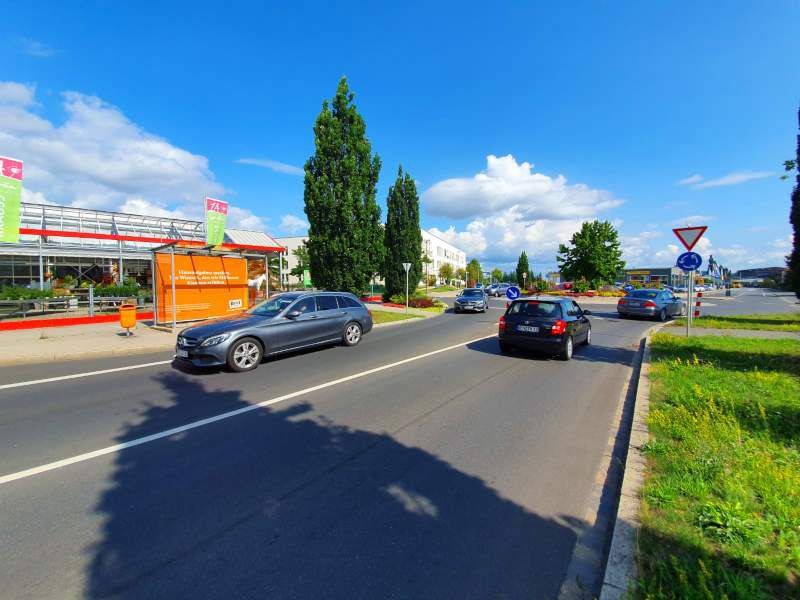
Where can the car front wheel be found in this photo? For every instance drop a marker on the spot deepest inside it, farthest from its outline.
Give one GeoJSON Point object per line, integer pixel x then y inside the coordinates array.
{"type": "Point", "coordinates": [352, 334]}
{"type": "Point", "coordinates": [244, 355]}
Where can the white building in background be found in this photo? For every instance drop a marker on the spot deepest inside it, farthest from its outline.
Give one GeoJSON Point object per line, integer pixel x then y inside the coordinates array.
{"type": "Point", "coordinates": [291, 243]}
{"type": "Point", "coordinates": [435, 248]}
{"type": "Point", "coordinates": [440, 252]}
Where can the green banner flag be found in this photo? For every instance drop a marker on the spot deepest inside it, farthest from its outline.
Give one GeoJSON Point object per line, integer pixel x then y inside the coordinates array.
{"type": "Point", "coordinates": [10, 198]}
{"type": "Point", "coordinates": [216, 218]}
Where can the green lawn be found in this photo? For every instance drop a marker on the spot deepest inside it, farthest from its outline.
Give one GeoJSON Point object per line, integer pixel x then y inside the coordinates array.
{"type": "Point", "coordinates": [384, 316]}
{"type": "Point", "coordinates": [769, 322]}
{"type": "Point", "coordinates": [721, 500]}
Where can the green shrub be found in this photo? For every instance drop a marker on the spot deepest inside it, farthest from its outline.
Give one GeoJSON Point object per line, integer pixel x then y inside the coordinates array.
{"type": "Point", "coordinates": [22, 293]}
{"type": "Point", "coordinates": [117, 290]}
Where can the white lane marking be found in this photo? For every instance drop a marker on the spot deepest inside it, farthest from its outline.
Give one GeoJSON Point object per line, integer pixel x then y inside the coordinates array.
{"type": "Point", "coordinates": [7, 386]}
{"type": "Point", "coordinates": [227, 415]}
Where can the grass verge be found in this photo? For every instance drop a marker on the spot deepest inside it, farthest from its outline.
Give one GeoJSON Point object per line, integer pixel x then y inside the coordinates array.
{"type": "Point", "coordinates": [768, 322]}
{"type": "Point", "coordinates": [721, 500]}
{"type": "Point", "coordinates": [384, 316]}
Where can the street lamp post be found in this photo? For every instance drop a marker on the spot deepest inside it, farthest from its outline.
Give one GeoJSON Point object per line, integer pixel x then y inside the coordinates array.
{"type": "Point", "coordinates": [406, 266]}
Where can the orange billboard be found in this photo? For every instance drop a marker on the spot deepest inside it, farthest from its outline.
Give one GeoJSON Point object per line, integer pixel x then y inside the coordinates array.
{"type": "Point", "coordinates": [205, 286]}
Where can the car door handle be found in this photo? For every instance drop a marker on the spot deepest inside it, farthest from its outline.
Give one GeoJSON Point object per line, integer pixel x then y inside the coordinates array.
{"type": "Point", "coordinates": [312, 317]}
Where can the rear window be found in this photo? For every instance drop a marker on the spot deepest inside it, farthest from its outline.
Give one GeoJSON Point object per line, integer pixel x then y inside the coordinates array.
{"type": "Point", "coordinates": [348, 302]}
{"type": "Point", "coordinates": [536, 308]}
{"type": "Point", "coordinates": [644, 294]}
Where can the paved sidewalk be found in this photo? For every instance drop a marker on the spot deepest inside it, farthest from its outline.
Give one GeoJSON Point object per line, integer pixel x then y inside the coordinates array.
{"type": "Point", "coordinates": [739, 333]}
{"type": "Point", "coordinates": [99, 340]}
{"type": "Point", "coordinates": [79, 341]}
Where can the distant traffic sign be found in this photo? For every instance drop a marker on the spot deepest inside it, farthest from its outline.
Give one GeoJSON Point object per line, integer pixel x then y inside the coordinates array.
{"type": "Point", "coordinates": [689, 236]}
{"type": "Point", "coordinates": [627, 287]}
{"type": "Point", "coordinates": [690, 261]}
{"type": "Point", "coordinates": [512, 293]}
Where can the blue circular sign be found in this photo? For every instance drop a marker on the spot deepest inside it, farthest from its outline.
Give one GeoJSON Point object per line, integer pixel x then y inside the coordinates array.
{"type": "Point", "coordinates": [512, 293]}
{"type": "Point", "coordinates": [690, 261]}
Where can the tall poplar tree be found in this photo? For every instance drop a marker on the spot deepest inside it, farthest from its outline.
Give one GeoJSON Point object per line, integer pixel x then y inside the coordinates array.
{"type": "Point", "coordinates": [345, 238]}
{"type": "Point", "coordinates": [402, 236]}
{"type": "Point", "coordinates": [793, 260]}
{"type": "Point", "coordinates": [523, 267]}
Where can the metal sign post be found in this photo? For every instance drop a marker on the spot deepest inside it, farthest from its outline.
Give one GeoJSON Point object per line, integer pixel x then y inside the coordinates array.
{"type": "Point", "coordinates": [406, 266]}
{"type": "Point", "coordinates": [689, 261]}
{"type": "Point", "coordinates": [689, 290]}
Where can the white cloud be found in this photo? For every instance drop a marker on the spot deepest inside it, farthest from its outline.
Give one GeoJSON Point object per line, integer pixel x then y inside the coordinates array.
{"type": "Point", "coordinates": [272, 165]}
{"type": "Point", "coordinates": [698, 182]}
{"type": "Point", "coordinates": [692, 220]}
{"type": "Point", "coordinates": [98, 158]}
{"type": "Point", "coordinates": [15, 93]}
{"type": "Point", "coordinates": [784, 244]}
{"type": "Point", "coordinates": [509, 185]}
{"type": "Point", "coordinates": [500, 238]}
{"type": "Point", "coordinates": [35, 48]}
{"type": "Point", "coordinates": [691, 180]}
{"type": "Point", "coordinates": [293, 225]}
{"type": "Point", "coordinates": [636, 248]}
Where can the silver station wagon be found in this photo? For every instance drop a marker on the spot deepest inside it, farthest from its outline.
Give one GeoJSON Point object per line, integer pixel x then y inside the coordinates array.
{"type": "Point", "coordinates": [286, 322]}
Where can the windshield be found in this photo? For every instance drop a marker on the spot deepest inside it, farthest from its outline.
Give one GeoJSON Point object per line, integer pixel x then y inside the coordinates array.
{"type": "Point", "coordinates": [473, 293]}
{"type": "Point", "coordinates": [644, 294]}
{"type": "Point", "coordinates": [273, 306]}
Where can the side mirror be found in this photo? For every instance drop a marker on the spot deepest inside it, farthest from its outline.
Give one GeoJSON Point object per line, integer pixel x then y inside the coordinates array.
{"type": "Point", "coordinates": [586, 311]}
{"type": "Point", "coordinates": [293, 314]}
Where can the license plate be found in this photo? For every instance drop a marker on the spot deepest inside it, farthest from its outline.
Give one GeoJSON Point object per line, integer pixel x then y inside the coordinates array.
{"type": "Point", "coordinates": [183, 354]}
{"type": "Point", "coordinates": [527, 328]}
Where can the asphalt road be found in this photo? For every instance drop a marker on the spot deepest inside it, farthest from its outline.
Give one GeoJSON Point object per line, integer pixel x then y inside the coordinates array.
{"type": "Point", "coordinates": [458, 473]}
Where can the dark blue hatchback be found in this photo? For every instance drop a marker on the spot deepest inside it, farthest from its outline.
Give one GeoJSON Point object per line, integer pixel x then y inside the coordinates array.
{"type": "Point", "coordinates": [546, 324]}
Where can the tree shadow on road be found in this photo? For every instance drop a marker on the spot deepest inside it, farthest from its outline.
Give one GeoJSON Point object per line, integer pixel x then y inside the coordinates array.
{"type": "Point", "coordinates": [283, 503]}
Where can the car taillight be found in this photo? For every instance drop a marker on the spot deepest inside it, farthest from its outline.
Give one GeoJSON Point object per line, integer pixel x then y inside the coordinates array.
{"type": "Point", "coordinates": [621, 302]}
{"type": "Point", "coordinates": [559, 327]}
{"type": "Point", "coordinates": [650, 304]}
{"type": "Point", "coordinates": [501, 325]}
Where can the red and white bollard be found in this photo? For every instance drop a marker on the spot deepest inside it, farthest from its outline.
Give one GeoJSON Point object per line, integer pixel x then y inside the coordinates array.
{"type": "Point", "coordinates": [697, 304]}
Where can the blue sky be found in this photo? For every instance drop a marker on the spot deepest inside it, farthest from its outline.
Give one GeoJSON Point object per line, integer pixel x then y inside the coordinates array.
{"type": "Point", "coordinates": [518, 122]}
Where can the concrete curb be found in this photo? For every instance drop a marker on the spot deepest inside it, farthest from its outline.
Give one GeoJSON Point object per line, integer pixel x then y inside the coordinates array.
{"type": "Point", "coordinates": [621, 565]}
{"type": "Point", "coordinates": [47, 357]}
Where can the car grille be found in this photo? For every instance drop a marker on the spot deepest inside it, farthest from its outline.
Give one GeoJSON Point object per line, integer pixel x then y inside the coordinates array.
{"type": "Point", "coordinates": [187, 342]}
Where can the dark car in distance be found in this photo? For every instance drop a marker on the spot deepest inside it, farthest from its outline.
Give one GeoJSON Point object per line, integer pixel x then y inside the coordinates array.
{"type": "Point", "coordinates": [653, 303]}
{"type": "Point", "coordinates": [286, 322]}
{"type": "Point", "coordinates": [472, 300]}
{"type": "Point", "coordinates": [549, 325]}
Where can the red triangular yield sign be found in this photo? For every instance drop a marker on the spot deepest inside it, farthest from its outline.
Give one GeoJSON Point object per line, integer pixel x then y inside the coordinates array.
{"type": "Point", "coordinates": [689, 236]}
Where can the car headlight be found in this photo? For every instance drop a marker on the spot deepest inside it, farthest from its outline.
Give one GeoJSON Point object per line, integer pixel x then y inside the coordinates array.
{"type": "Point", "coordinates": [216, 339]}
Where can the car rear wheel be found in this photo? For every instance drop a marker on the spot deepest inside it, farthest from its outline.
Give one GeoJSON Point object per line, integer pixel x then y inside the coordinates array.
{"type": "Point", "coordinates": [566, 353]}
{"type": "Point", "coordinates": [683, 310]}
{"type": "Point", "coordinates": [244, 355]}
{"type": "Point", "coordinates": [662, 315]}
{"type": "Point", "coordinates": [352, 334]}
{"type": "Point", "coordinates": [588, 336]}
{"type": "Point", "coordinates": [504, 347]}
